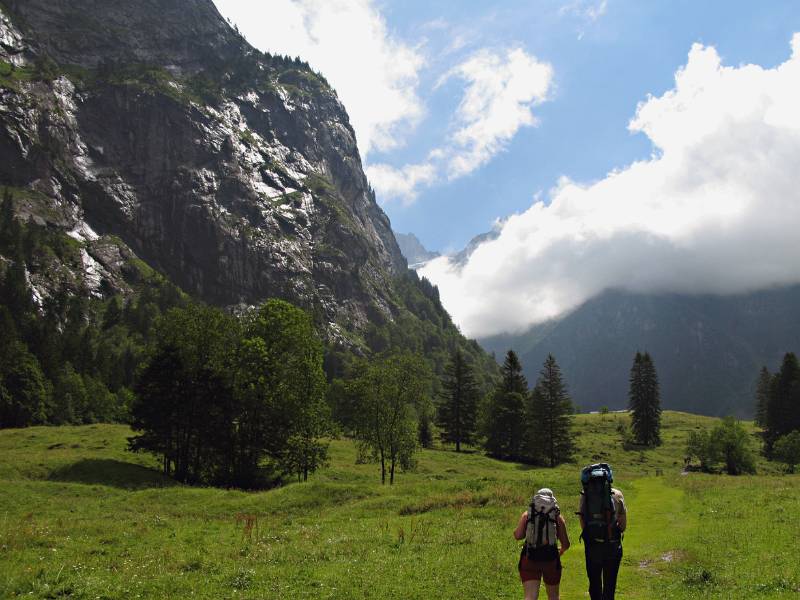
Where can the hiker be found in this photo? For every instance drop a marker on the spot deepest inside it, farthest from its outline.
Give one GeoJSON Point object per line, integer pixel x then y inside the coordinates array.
{"type": "Point", "coordinates": [540, 526]}
{"type": "Point", "coordinates": [603, 518]}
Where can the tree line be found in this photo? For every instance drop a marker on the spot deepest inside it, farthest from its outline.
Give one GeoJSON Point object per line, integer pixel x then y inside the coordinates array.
{"type": "Point", "coordinates": [777, 413]}
{"type": "Point", "coordinates": [69, 357]}
{"type": "Point", "coordinates": [778, 410]}
{"type": "Point", "coordinates": [233, 401]}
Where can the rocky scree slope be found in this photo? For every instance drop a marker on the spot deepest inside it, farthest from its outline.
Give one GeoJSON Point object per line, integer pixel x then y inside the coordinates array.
{"type": "Point", "coordinates": [151, 129]}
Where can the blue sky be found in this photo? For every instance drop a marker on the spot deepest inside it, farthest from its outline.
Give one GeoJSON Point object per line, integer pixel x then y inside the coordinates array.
{"type": "Point", "coordinates": [606, 58]}
{"type": "Point", "coordinates": [631, 50]}
{"type": "Point", "coordinates": [641, 145]}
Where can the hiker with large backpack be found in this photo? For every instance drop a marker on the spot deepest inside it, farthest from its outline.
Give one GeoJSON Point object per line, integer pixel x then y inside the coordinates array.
{"type": "Point", "coordinates": [543, 528]}
{"type": "Point", "coordinates": [603, 517]}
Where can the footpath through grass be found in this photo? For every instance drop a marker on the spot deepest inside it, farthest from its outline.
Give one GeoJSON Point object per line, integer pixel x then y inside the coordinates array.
{"type": "Point", "coordinates": [82, 518]}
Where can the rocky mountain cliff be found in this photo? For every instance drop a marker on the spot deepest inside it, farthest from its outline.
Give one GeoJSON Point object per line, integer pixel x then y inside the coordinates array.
{"type": "Point", "coordinates": [151, 129]}
{"type": "Point", "coordinates": [414, 252]}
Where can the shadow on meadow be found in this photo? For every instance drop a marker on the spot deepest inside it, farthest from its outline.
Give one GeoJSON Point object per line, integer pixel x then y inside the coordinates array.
{"type": "Point", "coordinates": [115, 473]}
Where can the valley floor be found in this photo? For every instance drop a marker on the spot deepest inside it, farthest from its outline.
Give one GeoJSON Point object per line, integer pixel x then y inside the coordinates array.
{"type": "Point", "coordinates": [82, 518]}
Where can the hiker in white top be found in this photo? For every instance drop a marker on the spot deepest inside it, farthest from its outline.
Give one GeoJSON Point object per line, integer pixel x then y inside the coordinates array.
{"type": "Point", "coordinates": [543, 528]}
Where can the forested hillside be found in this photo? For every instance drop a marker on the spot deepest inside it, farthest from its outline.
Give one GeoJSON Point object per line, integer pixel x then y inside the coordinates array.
{"type": "Point", "coordinates": [708, 349]}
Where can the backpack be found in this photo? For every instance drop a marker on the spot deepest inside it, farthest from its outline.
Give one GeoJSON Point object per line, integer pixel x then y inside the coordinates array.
{"type": "Point", "coordinates": [599, 513]}
{"type": "Point", "coordinates": [541, 532]}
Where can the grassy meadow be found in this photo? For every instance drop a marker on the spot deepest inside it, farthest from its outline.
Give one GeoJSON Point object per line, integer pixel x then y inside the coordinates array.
{"type": "Point", "coordinates": [82, 518]}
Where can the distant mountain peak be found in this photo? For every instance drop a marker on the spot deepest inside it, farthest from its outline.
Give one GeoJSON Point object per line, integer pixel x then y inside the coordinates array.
{"type": "Point", "coordinates": [414, 252]}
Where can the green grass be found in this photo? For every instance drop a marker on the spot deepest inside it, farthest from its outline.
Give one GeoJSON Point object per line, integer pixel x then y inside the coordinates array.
{"type": "Point", "coordinates": [82, 518]}
{"type": "Point", "coordinates": [11, 76]}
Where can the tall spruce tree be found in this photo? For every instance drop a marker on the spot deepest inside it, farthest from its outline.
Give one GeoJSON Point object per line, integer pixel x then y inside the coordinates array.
{"type": "Point", "coordinates": [762, 396]}
{"type": "Point", "coordinates": [645, 401]}
{"type": "Point", "coordinates": [783, 408]}
{"type": "Point", "coordinates": [457, 410]}
{"type": "Point", "coordinates": [551, 421]}
{"type": "Point", "coordinates": [505, 425]}
{"type": "Point", "coordinates": [504, 421]}
{"type": "Point", "coordinates": [512, 379]}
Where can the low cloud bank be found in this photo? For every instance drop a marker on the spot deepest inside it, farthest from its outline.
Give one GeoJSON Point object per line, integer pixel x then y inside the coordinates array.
{"type": "Point", "coordinates": [715, 209]}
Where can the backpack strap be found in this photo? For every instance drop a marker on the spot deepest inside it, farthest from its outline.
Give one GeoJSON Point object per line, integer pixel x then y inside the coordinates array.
{"type": "Point", "coordinates": [531, 522]}
{"type": "Point", "coordinates": [582, 514]}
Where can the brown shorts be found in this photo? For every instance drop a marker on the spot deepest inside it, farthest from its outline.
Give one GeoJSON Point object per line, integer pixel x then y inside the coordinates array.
{"type": "Point", "coordinates": [550, 571]}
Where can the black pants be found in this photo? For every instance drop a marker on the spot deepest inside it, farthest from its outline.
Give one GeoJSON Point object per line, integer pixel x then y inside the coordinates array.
{"type": "Point", "coordinates": [602, 567]}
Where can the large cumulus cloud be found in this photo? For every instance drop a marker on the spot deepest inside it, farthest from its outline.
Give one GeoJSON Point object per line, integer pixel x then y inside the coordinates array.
{"type": "Point", "coordinates": [715, 209]}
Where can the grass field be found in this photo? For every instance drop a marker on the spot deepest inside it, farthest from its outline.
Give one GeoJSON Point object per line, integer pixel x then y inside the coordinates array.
{"type": "Point", "coordinates": [82, 518]}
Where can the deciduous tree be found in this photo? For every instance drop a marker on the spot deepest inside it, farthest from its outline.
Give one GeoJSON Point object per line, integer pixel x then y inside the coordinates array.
{"type": "Point", "coordinates": [387, 429]}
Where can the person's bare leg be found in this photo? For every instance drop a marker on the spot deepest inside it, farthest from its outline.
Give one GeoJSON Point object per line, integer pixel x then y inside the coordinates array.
{"type": "Point", "coordinates": [552, 592]}
{"type": "Point", "coordinates": [531, 589]}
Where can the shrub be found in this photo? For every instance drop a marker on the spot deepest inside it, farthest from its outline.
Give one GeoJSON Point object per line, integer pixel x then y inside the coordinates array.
{"type": "Point", "coordinates": [727, 443]}
{"type": "Point", "coordinates": [787, 450]}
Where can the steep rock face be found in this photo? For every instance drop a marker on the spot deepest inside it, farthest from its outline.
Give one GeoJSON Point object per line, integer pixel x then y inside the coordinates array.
{"type": "Point", "coordinates": [414, 252]}
{"type": "Point", "coordinates": [235, 173]}
{"type": "Point", "coordinates": [179, 33]}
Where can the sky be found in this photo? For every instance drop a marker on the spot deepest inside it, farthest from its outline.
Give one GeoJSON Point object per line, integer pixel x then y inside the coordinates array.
{"type": "Point", "coordinates": [648, 146]}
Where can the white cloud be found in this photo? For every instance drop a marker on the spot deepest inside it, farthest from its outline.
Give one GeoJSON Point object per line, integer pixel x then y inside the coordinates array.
{"type": "Point", "coordinates": [498, 101]}
{"type": "Point", "coordinates": [586, 12]}
{"type": "Point", "coordinates": [589, 10]}
{"type": "Point", "coordinates": [716, 209]}
{"type": "Point", "coordinates": [374, 73]}
{"type": "Point", "coordinates": [400, 183]}
{"type": "Point", "coordinates": [500, 95]}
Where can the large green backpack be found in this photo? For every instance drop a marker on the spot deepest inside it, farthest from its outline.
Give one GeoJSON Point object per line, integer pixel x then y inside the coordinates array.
{"type": "Point", "coordinates": [599, 513]}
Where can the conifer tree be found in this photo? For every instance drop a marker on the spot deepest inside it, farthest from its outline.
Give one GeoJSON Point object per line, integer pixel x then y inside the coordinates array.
{"type": "Point", "coordinates": [23, 388]}
{"type": "Point", "coordinates": [504, 421]}
{"type": "Point", "coordinates": [762, 396]}
{"type": "Point", "coordinates": [645, 401]}
{"type": "Point", "coordinates": [783, 407]}
{"type": "Point", "coordinates": [512, 378]}
{"type": "Point", "coordinates": [458, 402]}
{"type": "Point", "coordinates": [505, 425]}
{"type": "Point", "coordinates": [550, 423]}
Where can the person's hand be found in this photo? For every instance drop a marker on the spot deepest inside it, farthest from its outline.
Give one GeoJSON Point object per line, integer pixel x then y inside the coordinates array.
{"type": "Point", "coordinates": [562, 550]}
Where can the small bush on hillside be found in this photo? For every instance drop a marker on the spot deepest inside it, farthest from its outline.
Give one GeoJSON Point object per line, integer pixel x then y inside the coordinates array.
{"type": "Point", "coordinates": [787, 450]}
{"type": "Point", "coordinates": [728, 444]}
{"type": "Point", "coordinates": [627, 437]}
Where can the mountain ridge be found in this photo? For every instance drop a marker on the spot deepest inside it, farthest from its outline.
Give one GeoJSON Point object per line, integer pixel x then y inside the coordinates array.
{"type": "Point", "coordinates": [261, 161]}
{"type": "Point", "coordinates": [414, 252]}
{"type": "Point", "coordinates": [707, 349]}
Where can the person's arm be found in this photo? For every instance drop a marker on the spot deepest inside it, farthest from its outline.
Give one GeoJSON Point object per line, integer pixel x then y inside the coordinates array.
{"type": "Point", "coordinates": [622, 511]}
{"type": "Point", "coordinates": [519, 532]}
{"type": "Point", "coordinates": [563, 536]}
